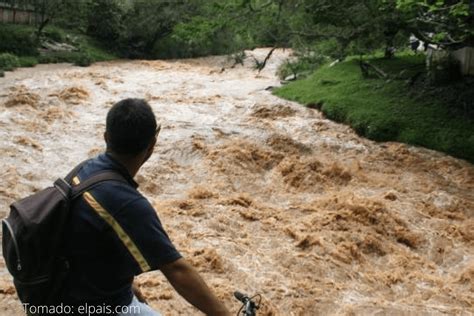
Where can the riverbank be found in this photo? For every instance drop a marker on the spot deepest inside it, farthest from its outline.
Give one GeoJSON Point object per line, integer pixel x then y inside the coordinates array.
{"type": "Point", "coordinates": [19, 47]}
{"type": "Point", "coordinates": [391, 110]}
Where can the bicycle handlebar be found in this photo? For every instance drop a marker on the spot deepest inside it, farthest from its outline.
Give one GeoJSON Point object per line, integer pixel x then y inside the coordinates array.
{"type": "Point", "coordinates": [241, 297]}
{"type": "Point", "coordinates": [249, 307]}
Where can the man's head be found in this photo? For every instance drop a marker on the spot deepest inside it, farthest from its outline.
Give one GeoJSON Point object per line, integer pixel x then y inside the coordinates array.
{"type": "Point", "coordinates": [131, 128]}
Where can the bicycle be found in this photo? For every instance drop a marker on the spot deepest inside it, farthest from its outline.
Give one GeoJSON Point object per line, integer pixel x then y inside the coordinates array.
{"type": "Point", "coordinates": [249, 307]}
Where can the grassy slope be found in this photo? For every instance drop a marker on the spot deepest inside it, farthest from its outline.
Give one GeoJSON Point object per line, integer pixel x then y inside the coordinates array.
{"type": "Point", "coordinates": [385, 111]}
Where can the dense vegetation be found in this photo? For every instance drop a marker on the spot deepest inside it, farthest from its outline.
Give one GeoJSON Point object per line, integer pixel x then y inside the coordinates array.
{"type": "Point", "coordinates": [186, 28]}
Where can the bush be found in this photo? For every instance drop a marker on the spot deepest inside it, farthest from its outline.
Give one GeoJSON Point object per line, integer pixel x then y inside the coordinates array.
{"type": "Point", "coordinates": [2, 73]}
{"type": "Point", "coordinates": [8, 61]}
{"type": "Point", "coordinates": [58, 57]}
{"type": "Point", "coordinates": [28, 61]}
{"type": "Point", "coordinates": [306, 63]}
{"type": "Point", "coordinates": [198, 37]}
{"type": "Point", "coordinates": [55, 34]}
{"type": "Point", "coordinates": [83, 60]}
{"type": "Point", "coordinates": [18, 40]}
{"type": "Point", "coordinates": [94, 49]}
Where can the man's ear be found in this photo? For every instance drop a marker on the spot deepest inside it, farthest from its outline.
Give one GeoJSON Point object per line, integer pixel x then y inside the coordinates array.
{"type": "Point", "coordinates": [151, 147]}
{"type": "Point", "coordinates": [149, 150]}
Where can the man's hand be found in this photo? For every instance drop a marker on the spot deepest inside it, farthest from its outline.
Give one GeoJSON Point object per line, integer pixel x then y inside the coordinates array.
{"type": "Point", "coordinates": [189, 284]}
{"type": "Point", "coordinates": [138, 293]}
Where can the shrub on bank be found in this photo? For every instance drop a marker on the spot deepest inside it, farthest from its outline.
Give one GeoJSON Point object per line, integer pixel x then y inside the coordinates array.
{"type": "Point", "coordinates": [304, 65]}
{"type": "Point", "coordinates": [83, 60]}
{"type": "Point", "coordinates": [55, 34]}
{"type": "Point", "coordinates": [28, 61]}
{"type": "Point", "coordinates": [18, 40]}
{"type": "Point", "coordinates": [8, 61]}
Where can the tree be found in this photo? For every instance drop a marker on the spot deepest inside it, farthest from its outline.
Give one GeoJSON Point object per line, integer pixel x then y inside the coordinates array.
{"type": "Point", "coordinates": [148, 21]}
{"type": "Point", "coordinates": [46, 10]}
{"type": "Point", "coordinates": [449, 24]}
{"type": "Point", "coordinates": [105, 20]}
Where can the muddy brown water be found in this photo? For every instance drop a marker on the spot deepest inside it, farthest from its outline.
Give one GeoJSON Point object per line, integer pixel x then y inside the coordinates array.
{"type": "Point", "coordinates": [260, 194]}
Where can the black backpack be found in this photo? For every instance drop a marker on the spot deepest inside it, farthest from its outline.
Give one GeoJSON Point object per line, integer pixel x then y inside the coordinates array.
{"type": "Point", "coordinates": [33, 235]}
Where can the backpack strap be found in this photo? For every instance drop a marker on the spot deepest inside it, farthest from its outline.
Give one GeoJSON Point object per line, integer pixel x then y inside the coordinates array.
{"type": "Point", "coordinates": [89, 183]}
{"type": "Point", "coordinates": [74, 171]}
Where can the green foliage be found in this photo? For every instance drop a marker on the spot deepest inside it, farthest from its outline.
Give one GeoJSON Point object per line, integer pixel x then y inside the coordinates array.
{"type": "Point", "coordinates": [105, 20]}
{"type": "Point", "coordinates": [149, 21]}
{"type": "Point", "coordinates": [8, 61]}
{"type": "Point", "coordinates": [57, 57]}
{"type": "Point", "coordinates": [72, 15]}
{"type": "Point", "coordinates": [447, 23]}
{"type": "Point", "coordinates": [198, 37]}
{"type": "Point", "coordinates": [55, 33]}
{"type": "Point", "coordinates": [334, 28]}
{"type": "Point", "coordinates": [78, 58]}
{"type": "Point", "coordinates": [18, 40]}
{"type": "Point", "coordinates": [83, 60]}
{"type": "Point", "coordinates": [386, 111]}
{"type": "Point", "coordinates": [95, 49]}
{"type": "Point", "coordinates": [28, 61]}
{"type": "Point", "coordinates": [305, 64]}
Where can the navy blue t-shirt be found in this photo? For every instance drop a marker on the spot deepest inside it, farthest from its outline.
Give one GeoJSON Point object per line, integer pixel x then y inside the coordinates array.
{"type": "Point", "coordinates": [113, 234]}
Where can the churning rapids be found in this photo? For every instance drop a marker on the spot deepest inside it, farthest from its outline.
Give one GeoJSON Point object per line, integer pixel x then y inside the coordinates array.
{"type": "Point", "coordinates": [260, 194]}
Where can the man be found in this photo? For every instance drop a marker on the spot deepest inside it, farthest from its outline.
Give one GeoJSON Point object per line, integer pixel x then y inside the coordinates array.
{"type": "Point", "coordinates": [114, 233]}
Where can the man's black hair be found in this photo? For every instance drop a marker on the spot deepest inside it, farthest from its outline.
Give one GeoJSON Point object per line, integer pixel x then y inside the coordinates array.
{"type": "Point", "coordinates": [131, 126]}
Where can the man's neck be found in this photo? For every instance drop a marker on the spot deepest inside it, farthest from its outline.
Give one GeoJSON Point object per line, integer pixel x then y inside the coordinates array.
{"type": "Point", "coordinates": [131, 163]}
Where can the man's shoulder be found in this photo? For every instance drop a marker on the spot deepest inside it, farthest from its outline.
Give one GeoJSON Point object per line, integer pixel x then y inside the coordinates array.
{"type": "Point", "coordinates": [116, 196]}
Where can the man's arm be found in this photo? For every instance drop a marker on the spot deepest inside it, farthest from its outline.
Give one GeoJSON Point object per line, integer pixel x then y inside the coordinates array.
{"type": "Point", "coordinates": [189, 284]}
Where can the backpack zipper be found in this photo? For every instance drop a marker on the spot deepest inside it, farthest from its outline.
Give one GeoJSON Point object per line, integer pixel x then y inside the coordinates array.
{"type": "Point", "coordinates": [15, 244]}
{"type": "Point", "coordinates": [35, 281]}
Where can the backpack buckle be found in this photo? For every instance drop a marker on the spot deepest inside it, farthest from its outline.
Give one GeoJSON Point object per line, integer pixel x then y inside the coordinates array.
{"type": "Point", "coordinates": [63, 187]}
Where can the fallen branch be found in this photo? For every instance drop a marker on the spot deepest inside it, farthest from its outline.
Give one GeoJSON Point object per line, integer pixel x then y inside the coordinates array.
{"type": "Point", "coordinates": [261, 65]}
{"type": "Point", "coordinates": [366, 67]}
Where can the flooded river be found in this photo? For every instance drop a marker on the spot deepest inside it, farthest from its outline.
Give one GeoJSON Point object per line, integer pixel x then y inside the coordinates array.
{"type": "Point", "coordinates": [261, 194]}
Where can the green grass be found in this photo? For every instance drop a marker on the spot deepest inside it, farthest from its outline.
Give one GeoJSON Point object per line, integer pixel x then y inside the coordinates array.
{"type": "Point", "coordinates": [386, 111]}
